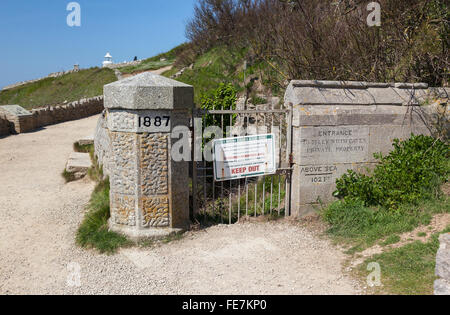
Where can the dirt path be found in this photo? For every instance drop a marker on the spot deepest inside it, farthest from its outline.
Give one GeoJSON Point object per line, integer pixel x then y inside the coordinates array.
{"type": "Point", "coordinates": [39, 215]}
{"type": "Point", "coordinates": [438, 223]}
{"type": "Point", "coordinates": [159, 71]}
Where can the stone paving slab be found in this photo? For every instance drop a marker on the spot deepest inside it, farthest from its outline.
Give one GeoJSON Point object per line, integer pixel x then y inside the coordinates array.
{"type": "Point", "coordinates": [86, 140]}
{"type": "Point", "coordinates": [78, 162]}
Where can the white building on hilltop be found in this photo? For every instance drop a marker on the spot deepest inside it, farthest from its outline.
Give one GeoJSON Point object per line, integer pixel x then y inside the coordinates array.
{"type": "Point", "coordinates": [108, 60]}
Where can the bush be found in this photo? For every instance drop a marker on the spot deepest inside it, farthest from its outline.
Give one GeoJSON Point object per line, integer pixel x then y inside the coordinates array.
{"type": "Point", "coordinates": [412, 172]}
{"type": "Point", "coordinates": [330, 39]}
{"type": "Point", "coordinates": [224, 97]}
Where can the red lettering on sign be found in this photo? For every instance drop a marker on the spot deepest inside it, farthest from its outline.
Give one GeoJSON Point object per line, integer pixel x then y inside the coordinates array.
{"type": "Point", "coordinates": [240, 170]}
{"type": "Point", "coordinates": [254, 168]}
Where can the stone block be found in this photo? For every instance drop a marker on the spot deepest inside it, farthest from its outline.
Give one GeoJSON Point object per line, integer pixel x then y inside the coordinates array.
{"type": "Point", "coordinates": [154, 164]}
{"type": "Point", "coordinates": [5, 128]}
{"type": "Point", "coordinates": [123, 209]}
{"type": "Point", "coordinates": [328, 145]}
{"type": "Point", "coordinates": [86, 140]}
{"type": "Point", "coordinates": [139, 121]}
{"type": "Point", "coordinates": [148, 91]}
{"type": "Point", "coordinates": [124, 163]}
{"type": "Point", "coordinates": [338, 126]}
{"type": "Point", "coordinates": [155, 211]}
{"type": "Point", "coordinates": [21, 119]}
{"type": "Point", "coordinates": [15, 110]}
{"type": "Point", "coordinates": [316, 183]}
{"type": "Point", "coordinates": [78, 162]}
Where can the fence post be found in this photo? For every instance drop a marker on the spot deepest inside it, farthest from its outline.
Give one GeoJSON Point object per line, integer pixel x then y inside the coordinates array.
{"type": "Point", "coordinates": [149, 195]}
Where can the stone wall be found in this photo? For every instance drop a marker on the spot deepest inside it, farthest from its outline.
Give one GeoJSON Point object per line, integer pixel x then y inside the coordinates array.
{"type": "Point", "coordinates": [71, 111]}
{"type": "Point", "coordinates": [41, 117]}
{"type": "Point", "coordinates": [338, 126]}
{"type": "Point", "coordinates": [4, 125]}
{"type": "Point", "coordinates": [442, 285]}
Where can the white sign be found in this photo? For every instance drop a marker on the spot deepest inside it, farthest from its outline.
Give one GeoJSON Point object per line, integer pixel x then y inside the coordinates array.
{"type": "Point", "coordinates": [241, 157]}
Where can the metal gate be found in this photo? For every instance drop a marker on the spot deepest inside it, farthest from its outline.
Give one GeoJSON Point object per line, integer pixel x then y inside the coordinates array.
{"type": "Point", "coordinates": [229, 201]}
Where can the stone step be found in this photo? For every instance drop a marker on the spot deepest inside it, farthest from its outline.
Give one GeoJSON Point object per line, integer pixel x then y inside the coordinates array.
{"type": "Point", "coordinates": [86, 140]}
{"type": "Point", "coordinates": [78, 164]}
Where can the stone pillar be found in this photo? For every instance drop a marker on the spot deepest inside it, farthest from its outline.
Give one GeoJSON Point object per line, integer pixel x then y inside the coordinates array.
{"type": "Point", "coordinates": [149, 191]}
{"type": "Point", "coordinates": [338, 126]}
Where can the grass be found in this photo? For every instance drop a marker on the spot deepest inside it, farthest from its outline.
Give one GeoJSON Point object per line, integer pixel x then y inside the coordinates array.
{"type": "Point", "coordinates": [86, 148]}
{"type": "Point", "coordinates": [219, 65]}
{"type": "Point", "coordinates": [361, 227]}
{"type": "Point", "coordinates": [69, 177]}
{"type": "Point", "coordinates": [392, 239]}
{"type": "Point", "coordinates": [54, 91]}
{"type": "Point", "coordinates": [94, 232]}
{"type": "Point", "coordinates": [408, 270]}
{"type": "Point", "coordinates": [225, 65]}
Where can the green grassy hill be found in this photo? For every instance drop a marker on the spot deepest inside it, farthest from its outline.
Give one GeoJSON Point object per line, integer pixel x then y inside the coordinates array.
{"type": "Point", "coordinates": [53, 91]}
{"type": "Point", "coordinates": [219, 65]}
{"type": "Point", "coordinates": [226, 65]}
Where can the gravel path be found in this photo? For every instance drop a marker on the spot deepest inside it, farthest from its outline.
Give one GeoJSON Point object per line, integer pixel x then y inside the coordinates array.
{"type": "Point", "coordinates": [39, 215]}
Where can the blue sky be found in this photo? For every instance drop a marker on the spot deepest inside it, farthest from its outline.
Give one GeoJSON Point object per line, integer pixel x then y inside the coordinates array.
{"type": "Point", "coordinates": [35, 39]}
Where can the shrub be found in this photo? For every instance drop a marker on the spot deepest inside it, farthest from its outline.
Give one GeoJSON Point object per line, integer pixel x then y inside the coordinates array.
{"type": "Point", "coordinates": [412, 172]}
{"type": "Point", "coordinates": [330, 39]}
{"type": "Point", "coordinates": [356, 185]}
{"type": "Point", "coordinates": [224, 97]}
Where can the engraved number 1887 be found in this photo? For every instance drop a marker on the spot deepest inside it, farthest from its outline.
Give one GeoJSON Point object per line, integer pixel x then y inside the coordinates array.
{"type": "Point", "coordinates": [158, 121]}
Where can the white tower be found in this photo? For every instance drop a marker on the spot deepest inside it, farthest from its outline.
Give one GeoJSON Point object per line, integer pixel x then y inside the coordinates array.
{"type": "Point", "coordinates": [108, 60]}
